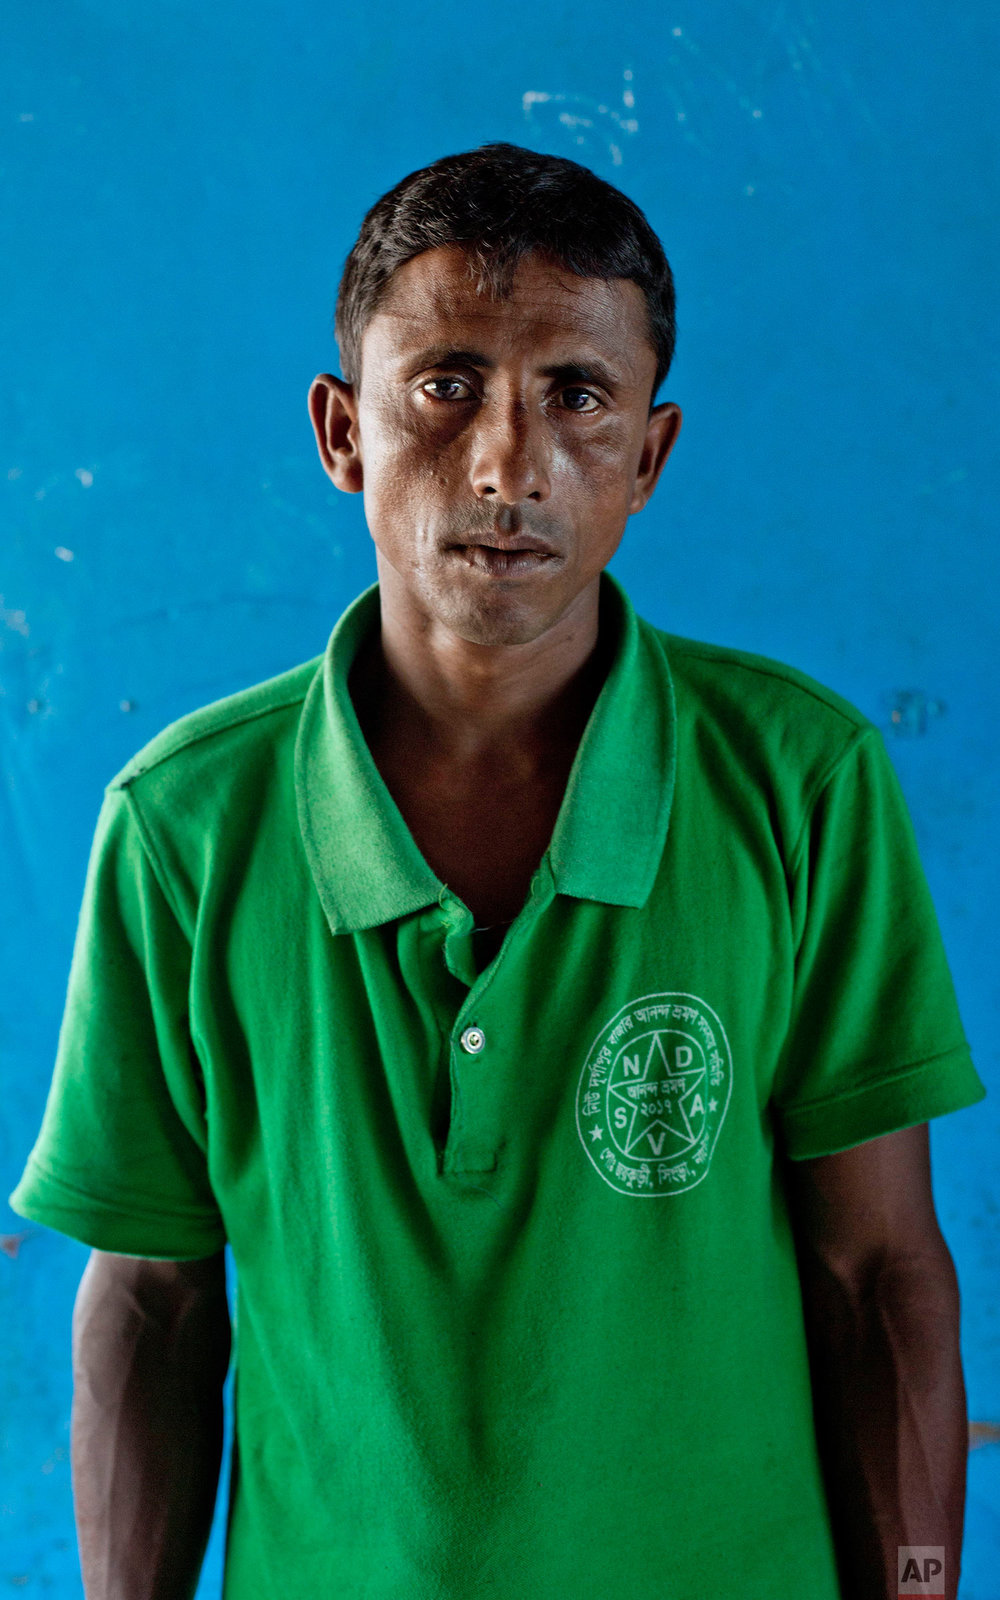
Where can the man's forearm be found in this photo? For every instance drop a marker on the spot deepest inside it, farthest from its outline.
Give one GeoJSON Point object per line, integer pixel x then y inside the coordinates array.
{"type": "Point", "coordinates": [149, 1361]}
{"type": "Point", "coordinates": [890, 1415]}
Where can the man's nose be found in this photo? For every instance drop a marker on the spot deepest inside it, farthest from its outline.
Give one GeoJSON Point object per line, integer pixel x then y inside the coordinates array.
{"type": "Point", "coordinates": [510, 453]}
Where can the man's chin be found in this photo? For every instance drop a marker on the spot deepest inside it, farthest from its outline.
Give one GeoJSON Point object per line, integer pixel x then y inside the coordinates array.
{"type": "Point", "coordinates": [494, 613]}
{"type": "Point", "coordinates": [495, 620]}
{"type": "Point", "coordinates": [481, 607]}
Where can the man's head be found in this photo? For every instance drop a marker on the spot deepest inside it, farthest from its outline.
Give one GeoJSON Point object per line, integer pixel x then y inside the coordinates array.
{"type": "Point", "coordinates": [502, 203]}
{"type": "Point", "coordinates": [504, 322]}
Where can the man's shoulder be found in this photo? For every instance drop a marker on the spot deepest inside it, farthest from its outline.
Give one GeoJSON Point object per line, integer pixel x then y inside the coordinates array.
{"type": "Point", "coordinates": [740, 687]}
{"type": "Point", "coordinates": [774, 727]}
{"type": "Point", "coordinates": [746, 681]}
{"type": "Point", "coordinates": [240, 728]}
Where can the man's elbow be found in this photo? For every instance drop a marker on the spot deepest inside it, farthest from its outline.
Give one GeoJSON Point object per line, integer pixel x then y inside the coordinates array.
{"type": "Point", "coordinates": [177, 1309]}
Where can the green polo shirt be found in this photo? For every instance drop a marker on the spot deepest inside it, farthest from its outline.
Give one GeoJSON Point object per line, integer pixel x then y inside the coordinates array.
{"type": "Point", "coordinates": [517, 1302]}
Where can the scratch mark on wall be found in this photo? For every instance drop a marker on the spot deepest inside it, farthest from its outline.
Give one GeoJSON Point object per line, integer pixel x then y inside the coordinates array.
{"type": "Point", "coordinates": [58, 482]}
{"type": "Point", "coordinates": [587, 122]}
{"type": "Point", "coordinates": [981, 1433]}
{"type": "Point", "coordinates": [948, 480]}
{"type": "Point", "coordinates": [16, 621]}
{"type": "Point", "coordinates": [699, 81]}
{"type": "Point", "coordinates": [912, 713]}
{"type": "Point", "coordinates": [62, 553]}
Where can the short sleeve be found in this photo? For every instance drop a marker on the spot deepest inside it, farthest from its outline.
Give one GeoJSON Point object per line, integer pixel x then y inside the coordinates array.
{"type": "Point", "coordinates": [875, 1041]}
{"type": "Point", "coordinates": [120, 1162]}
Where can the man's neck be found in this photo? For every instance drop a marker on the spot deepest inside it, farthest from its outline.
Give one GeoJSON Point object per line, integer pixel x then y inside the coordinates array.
{"type": "Point", "coordinates": [476, 744]}
{"type": "Point", "coordinates": [469, 702]}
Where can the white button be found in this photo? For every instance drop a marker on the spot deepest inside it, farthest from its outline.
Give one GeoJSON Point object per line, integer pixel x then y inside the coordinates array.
{"type": "Point", "coordinates": [473, 1040]}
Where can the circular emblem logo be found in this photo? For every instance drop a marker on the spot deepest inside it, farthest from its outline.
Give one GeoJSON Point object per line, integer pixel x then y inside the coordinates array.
{"type": "Point", "coordinates": [653, 1094]}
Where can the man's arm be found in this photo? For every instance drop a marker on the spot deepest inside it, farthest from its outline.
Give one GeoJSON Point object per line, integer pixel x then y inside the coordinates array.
{"type": "Point", "coordinates": [151, 1345]}
{"type": "Point", "coordinates": [882, 1315]}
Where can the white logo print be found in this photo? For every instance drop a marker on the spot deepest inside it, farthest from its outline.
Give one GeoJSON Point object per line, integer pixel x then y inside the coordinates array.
{"type": "Point", "coordinates": [653, 1093]}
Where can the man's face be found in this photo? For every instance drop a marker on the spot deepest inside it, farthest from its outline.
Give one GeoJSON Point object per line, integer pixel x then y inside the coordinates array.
{"type": "Point", "coordinates": [502, 445]}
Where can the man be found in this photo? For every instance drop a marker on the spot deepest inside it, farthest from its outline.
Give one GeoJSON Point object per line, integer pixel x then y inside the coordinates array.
{"type": "Point", "coordinates": [547, 1010]}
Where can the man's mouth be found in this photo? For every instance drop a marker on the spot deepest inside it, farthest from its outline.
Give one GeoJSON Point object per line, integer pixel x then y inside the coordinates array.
{"type": "Point", "coordinates": [499, 562]}
{"type": "Point", "coordinates": [507, 557]}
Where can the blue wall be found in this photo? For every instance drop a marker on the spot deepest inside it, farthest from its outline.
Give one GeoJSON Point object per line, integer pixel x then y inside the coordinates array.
{"type": "Point", "coordinates": [182, 183]}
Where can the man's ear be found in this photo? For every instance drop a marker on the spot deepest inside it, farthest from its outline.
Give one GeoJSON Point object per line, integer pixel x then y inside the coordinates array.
{"type": "Point", "coordinates": [333, 407]}
{"type": "Point", "coordinates": [661, 435]}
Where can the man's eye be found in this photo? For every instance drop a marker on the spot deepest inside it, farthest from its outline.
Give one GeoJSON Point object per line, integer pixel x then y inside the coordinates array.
{"type": "Point", "coordinates": [581, 401]}
{"type": "Point", "coordinates": [447, 389]}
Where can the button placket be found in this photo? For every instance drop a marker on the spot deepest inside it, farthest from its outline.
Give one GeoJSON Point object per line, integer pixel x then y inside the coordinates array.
{"type": "Point", "coordinates": [479, 1049]}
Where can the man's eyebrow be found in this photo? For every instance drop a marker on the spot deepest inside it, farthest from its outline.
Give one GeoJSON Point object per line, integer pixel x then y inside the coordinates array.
{"type": "Point", "coordinates": [442, 355]}
{"type": "Point", "coordinates": [590, 371]}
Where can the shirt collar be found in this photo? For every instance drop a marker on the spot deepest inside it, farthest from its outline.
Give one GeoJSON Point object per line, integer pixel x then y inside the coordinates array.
{"type": "Point", "coordinates": [612, 825]}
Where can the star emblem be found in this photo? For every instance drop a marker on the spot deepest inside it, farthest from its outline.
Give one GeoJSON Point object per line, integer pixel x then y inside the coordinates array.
{"type": "Point", "coordinates": [658, 1076]}
{"type": "Point", "coordinates": [678, 1120]}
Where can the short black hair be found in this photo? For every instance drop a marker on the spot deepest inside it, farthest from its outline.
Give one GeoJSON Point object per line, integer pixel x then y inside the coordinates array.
{"type": "Point", "coordinates": [501, 203]}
